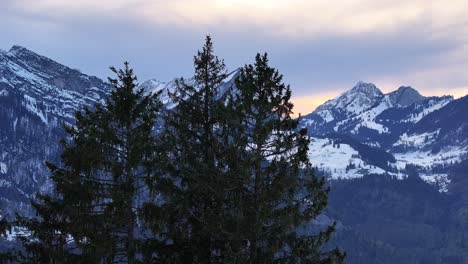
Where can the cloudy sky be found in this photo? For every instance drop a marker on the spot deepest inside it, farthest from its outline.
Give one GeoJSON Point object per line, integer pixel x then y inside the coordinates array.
{"type": "Point", "coordinates": [322, 47]}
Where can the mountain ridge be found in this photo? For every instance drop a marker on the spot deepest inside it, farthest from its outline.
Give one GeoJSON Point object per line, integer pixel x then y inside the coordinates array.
{"type": "Point", "coordinates": [427, 132]}
{"type": "Point", "coordinates": [37, 96]}
{"type": "Point", "coordinates": [51, 90]}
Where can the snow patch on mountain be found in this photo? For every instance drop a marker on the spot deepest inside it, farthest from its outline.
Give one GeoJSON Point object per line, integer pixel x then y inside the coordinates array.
{"type": "Point", "coordinates": [335, 158]}
{"type": "Point", "coordinates": [433, 105]}
{"type": "Point", "coordinates": [326, 115]}
{"type": "Point", "coordinates": [31, 105]}
{"type": "Point", "coordinates": [441, 181]}
{"type": "Point", "coordinates": [427, 159]}
{"type": "Point", "coordinates": [154, 86]}
{"type": "Point", "coordinates": [367, 118]}
{"type": "Point", "coordinates": [416, 140]}
{"type": "Point", "coordinates": [3, 168]}
{"type": "Point", "coordinates": [371, 125]}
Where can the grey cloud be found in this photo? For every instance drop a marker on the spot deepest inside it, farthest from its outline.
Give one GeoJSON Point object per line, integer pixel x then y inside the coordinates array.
{"type": "Point", "coordinates": [311, 64]}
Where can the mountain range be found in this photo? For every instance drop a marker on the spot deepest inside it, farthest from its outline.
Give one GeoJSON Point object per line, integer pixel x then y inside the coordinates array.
{"type": "Point", "coordinates": [384, 133]}
{"type": "Point", "coordinates": [363, 131]}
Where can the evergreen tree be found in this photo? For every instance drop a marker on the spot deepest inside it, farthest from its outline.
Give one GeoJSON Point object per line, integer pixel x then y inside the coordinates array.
{"type": "Point", "coordinates": [193, 201]}
{"type": "Point", "coordinates": [92, 215]}
{"type": "Point", "coordinates": [273, 192]}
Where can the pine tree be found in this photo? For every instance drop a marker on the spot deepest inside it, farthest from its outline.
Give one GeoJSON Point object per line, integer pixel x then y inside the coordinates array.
{"type": "Point", "coordinates": [193, 201]}
{"type": "Point", "coordinates": [275, 195]}
{"type": "Point", "coordinates": [108, 160]}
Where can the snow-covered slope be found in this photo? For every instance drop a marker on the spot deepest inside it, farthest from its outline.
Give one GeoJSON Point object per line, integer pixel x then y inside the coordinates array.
{"type": "Point", "coordinates": [365, 112]}
{"type": "Point", "coordinates": [50, 90]}
{"type": "Point", "coordinates": [37, 95]}
{"type": "Point", "coordinates": [153, 86]}
{"type": "Point", "coordinates": [339, 160]}
{"type": "Point", "coordinates": [429, 132]}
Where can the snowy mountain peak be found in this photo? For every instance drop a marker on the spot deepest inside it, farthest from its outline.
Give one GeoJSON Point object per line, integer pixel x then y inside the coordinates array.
{"type": "Point", "coordinates": [362, 96]}
{"type": "Point", "coordinates": [364, 112]}
{"type": "Point", "coordinates": [45, 87]}
{"type": "Point", "coordinates": [366, 88]}
{"type": "Point", "coordinates": [152, 85]}
{"type": "Point", "coordinates": [30, 60]}
{"type": "Point", "coordinates": [404, 96]}
{"type": "Point", "coordinates": [406, 88]}
{"type": "Point", "coordinates": [22, 53]}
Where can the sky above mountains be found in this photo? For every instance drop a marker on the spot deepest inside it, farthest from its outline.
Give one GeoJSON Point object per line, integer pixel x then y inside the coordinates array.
{"type": "Point", "coordinates": [322, 47]}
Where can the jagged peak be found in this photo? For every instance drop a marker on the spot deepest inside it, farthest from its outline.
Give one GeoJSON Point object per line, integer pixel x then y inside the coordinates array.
{"type": "Point", "coordinates": [355, 100]}
{"type": "Point", "coordinates": [37, 62]}
{"type": "Point", "coordinates": [363, 83]}
{"type": "Point", "coordinates": [153, 81]}
{"type": "Point", "coordinates": [405, 95]}
{"type": "Point", "coordinates": [17, 48]}
{"type": "Point", "coordinates": [24, 53]}
{"type": "Point", "coordinates": [366, 88]}
{"type": "Point", "coordinates": [20, 50]}
{"type": "Point", "coordinates": [27, 56]}
{"type": "Point", "coordinates": [152, 85]}
{"type": "Point", "coordinates": [407, 89]}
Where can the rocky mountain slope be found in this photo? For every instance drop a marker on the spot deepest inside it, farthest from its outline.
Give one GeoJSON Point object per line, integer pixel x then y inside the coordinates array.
{"type": "Point", "coordinates": [37, 96]}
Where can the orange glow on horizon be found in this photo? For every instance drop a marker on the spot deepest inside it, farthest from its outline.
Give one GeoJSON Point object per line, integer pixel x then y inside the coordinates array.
{"type": "Point", "coordinates": [304, 105]}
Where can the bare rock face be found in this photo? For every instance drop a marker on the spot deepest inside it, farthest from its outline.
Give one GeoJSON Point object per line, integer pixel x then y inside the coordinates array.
{"type": "Point", "coordinates": [405, 96]}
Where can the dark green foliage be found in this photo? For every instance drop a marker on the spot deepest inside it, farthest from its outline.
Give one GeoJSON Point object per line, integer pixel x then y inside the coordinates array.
{"type": "Point", "coordinates": [193, 203]}
{"type": "Point", "coordinates": [240, 188]}
{"type": "Point", "coordinates": [273, 196]}
{"type": "Point", "coordinates": [92, 214]}
{"type": "Point", "coordinates": [459, 183]}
